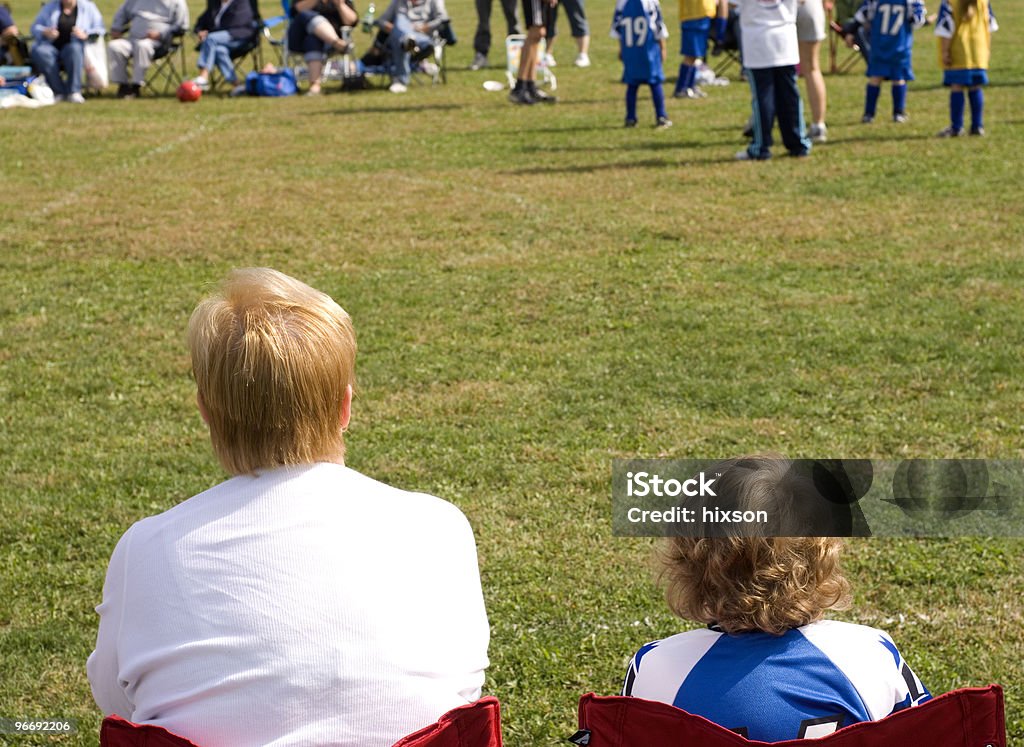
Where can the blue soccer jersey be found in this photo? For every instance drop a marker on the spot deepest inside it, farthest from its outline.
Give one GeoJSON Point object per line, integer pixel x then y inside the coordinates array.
{"type": "Point", "coordinates": [892, 25]}
{"type": "Point", "coordinates": [639, 27]}
{"type": "Point", "coordinates": [806, 683]}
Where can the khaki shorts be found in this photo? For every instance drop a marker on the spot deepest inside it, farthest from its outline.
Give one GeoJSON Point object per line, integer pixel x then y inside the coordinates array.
{"type": "Point", "coordinates": [810, 21]}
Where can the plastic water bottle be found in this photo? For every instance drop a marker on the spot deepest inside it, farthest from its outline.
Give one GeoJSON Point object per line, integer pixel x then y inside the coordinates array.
{"type": "Point", "coordinates": [371, 14]}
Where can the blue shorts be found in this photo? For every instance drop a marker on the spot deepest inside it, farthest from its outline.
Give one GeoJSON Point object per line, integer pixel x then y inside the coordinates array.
{"type": "Point", "coordinates": [888, 71]}
{"type": "Point", "coordinates": [695, 37]}
{"type": "Point", "coordinates": [965, 78]}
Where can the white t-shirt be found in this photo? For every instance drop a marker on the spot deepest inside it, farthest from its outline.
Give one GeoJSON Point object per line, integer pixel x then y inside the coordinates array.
{"type": "Point", "coordinates": [808, 682]}
{"type": "Point", "coordinates": [768, 33]}
{"type": "Point", "coordinates": [304, 605]}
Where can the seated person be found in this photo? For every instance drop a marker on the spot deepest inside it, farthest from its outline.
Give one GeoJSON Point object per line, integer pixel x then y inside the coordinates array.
{"type": "Point", "coordinates": [315, 32]}
{"type": "Point", "coordinates": [410, 25]}
{"type": "Point", "coordinates": [225, 27]}
{"type": "Point", "coordinates": [141, 31]}
{"type": "Point", "coordinates": [12, 48]}
{"type": "Point", "coordinates": [767, 665]}
{"type": "Point", "coordinates": [60, 32]}
{"type": "Point", "coordinates": [299, 602]}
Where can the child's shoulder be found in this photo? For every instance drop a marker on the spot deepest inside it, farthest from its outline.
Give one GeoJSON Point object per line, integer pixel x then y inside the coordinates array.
{"type": "Point", "coordinates": [851, 643]}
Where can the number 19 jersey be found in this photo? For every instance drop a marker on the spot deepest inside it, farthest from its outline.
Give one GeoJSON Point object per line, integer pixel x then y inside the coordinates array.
{"type": "Point", "coordinates": [639, 26]}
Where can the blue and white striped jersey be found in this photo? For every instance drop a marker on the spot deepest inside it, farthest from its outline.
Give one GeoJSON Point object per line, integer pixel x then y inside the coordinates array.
{"type": "Point", "coordinates": [892, 25]}
{"type": "Point", "coordinates": [806, 683]}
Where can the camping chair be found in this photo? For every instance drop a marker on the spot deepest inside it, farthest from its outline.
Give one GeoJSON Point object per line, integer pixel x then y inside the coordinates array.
{"type": "Point", "coordinates": [841, 59]}
{"type": "Point", "coordinates": [727, 50]}
{"type": "Point", "coordinates": [376, 62]}
{"type": "Point", "coordinates": [335, 67]}
{"type": "Point", "coordinates": [252, 51]}
{"type": "Point", "coordinates": [513, 51]}
{"type": "Point", "coordinates": [473, 725]}
{"type": "Point", "coordinates": [168, 70]}
{"type": "Point", "coordinates": [970, 717]}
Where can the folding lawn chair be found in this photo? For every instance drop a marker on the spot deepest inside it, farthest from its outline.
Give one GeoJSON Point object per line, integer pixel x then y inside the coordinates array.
{"type": "Point", "coordinates": [473, 725]}
{"type": "Point", "coordinates": [336, 67]}
{"type": "Point", "coordinates": [727, 51]}
{"type": "Point", "coordinates": [251, 51]}
{"type": "Point", "coordinates": [841, 59]}
{"type": "Point", "coordinates": [514, 50]}
{"type": "Point", "coordinates": [432, 62]}
{"type": "Point", "coordinates": [168, 70]}
{"type": "Point", "coordinates": [970, 717]}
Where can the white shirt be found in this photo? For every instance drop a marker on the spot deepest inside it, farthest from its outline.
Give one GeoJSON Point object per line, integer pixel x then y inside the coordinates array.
{"type": "Point", "coordinates": [768, 33]}
{"type": "Point", "coordinates": [305, 605]}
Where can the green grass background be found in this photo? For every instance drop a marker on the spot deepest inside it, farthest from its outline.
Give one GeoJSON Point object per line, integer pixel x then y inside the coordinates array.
{"type": "Point", "coordinates": [536, 292]}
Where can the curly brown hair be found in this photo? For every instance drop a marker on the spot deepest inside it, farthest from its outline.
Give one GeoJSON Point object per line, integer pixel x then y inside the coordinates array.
{"type": "Point", "coordinates": [742, 584]}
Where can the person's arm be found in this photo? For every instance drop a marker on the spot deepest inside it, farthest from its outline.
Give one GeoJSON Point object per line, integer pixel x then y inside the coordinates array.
{"type": "Point", "coordinates": [93, 23]}
{"type": "Point", "coordinates": [120, 21]}
{"type": "Point", "coordinates": [41, 27]}
{"type": "Point", "coordinates": [346, 13]}
{"type": "Point", "coordinates": [7, 28]}
{"type": "Point", "coordinates": [102, 667]}
{"type": "Point", "coordinates": [439, 14]}
{"type": "Point", "coordinates": [204, 24]}
{"type": "Point", "coordinates": [386, 20]}
{"type": "Point", "coordinates": [944, 28]}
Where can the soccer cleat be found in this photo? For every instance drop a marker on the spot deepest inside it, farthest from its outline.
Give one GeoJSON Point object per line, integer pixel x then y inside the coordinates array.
{"type": "Point", "coordinates": [900, 117]}
{"type": "Point", "coordinates": [817, 132]}
{"type": "Point", "coordinates": [951, 132]}
{"type": "Point", "coordinates": [630, 123]}
{"type": "Point", "coordinates": [582, 60]}
{"type": "Point", "coordinates": [540, 97]}
{"type": "Point", "coordinates": [520, 96]}
{"type": "Point", "coordinates": [479, 61]}
{"type": "Point", "coordinates": [663, 123]}
{"type": "Point", "coordinates": [688, 93]}
{"type": "Point", "coordinates": [867, 118]}
{"type": "Point", "coordinates": [979, 131]}
{"type": "Point", "coordinates": [398, 87]}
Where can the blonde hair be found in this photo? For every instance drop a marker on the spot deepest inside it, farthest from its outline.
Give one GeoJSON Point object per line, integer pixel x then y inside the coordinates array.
{"type": "Point", "coordinates": [742, 584]}
{"type": "Point", "coordinates": [272, 359]}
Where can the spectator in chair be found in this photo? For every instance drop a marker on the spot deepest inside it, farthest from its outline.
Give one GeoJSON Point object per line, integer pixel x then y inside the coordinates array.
{"type": "Point", "coordinates": [141, 31]}
{"type": "Point", "coordinates": [766, 664]}
{"type": "Point", "coordinates": [299, 602]}
{"type": "Point", "coordinates": [60, 32]}
{"type": "Point", "coordinates": [224, 27]}
{"type": "Point", "coordinates": [315, 31]}
{"type": "Point", "coordinates": [410, 25]}
{"type": "Point", "coordinates": [9, 38]}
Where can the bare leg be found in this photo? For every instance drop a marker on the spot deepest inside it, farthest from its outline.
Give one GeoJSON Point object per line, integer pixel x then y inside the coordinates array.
{"type": "Point", "coordinates": [810, 66]}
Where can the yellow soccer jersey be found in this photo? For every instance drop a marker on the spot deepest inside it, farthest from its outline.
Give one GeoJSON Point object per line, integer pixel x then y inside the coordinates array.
{"type": "Point", "coordinates": [970, 38]}
{"type": "Point", "coordinates": [691, 10]}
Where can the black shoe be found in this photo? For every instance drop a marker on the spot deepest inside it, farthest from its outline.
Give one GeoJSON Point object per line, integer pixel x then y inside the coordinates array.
{"type": "Point", "coordinates": [867, 119]}
{"type": "Point", "coordinates": [951, 132]}
{"type": "Point", "coordinates": [630, 123]}
{"type": "Point", "coordinates": [123, 90]}
{"type": "Point", "coordinates": [540, 97]}
{"type": "Point", "coordinates": [979, 131]}
{"type": "Point", "coordinates": [520, 96]}
{"type": "Point", "coordinates": [663, 123]}
{"type": "Point", "coordinates": [900, 118]}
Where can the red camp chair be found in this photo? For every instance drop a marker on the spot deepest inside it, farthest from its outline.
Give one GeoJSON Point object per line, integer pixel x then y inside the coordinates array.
{"type": "Point", "coordinates": [971, 717]}
{"type": "Point", "coordinates": [474, 725]}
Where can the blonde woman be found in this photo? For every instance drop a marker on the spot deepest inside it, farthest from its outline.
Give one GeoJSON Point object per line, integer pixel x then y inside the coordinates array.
{"type": "Point", "coordinates": [767, 664]}
{"type": "Point", "coordinates": [298, 602]}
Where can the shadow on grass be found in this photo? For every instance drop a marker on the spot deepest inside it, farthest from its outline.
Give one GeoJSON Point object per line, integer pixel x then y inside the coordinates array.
{"type": "Point", "coordinates": [404, 109]}
{"type": "Point", "coordinates": [648, 163]}
{"type": "Point", "coordinates": [880, 136]}
{"type": "Point", "coordinates": [660, 145]}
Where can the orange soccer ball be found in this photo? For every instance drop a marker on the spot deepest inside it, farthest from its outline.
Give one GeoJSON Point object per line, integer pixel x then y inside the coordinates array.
{"type": "Point", "coordinates": [189, 91]}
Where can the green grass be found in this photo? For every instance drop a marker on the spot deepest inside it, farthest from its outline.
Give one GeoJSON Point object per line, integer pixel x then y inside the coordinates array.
{"type": "Point", "coordinates": [536, 292]}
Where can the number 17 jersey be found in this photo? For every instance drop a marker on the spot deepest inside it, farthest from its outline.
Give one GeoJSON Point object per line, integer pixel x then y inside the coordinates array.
{"type": "Point", "coordinates": [639, 27]}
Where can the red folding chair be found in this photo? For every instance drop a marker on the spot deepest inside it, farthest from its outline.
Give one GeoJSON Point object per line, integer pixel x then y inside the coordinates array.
{"type": "Point", "coordinates": [473, 725]}
{"type": "Point", "coordinates": [971, 717]}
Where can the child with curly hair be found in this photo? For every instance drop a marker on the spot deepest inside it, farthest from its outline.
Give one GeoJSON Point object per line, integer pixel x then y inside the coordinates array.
{"type": "Point", "coordinates": [767, 665]}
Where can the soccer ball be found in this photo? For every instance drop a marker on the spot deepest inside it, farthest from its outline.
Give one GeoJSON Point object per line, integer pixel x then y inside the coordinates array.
{"type": "Point", "coordinates": [189, 91]}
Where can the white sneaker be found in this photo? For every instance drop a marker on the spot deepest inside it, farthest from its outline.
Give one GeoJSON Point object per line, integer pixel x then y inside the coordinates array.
{"type": "Point", "coordinates": [398, 87]}
{"type": "Point", "coordinates": [429, 67]}
{"type": "Point", "coordinates": [75, 98]}
{"type": "Point", "coordinates": [479, 62]}
{"type": "Point", "coordinates": [582, 60]}
{"type": "Point", "coordinates": [818, 133]}
{"type": "Point", "coordinates": [202, 83]}
{"type": "Point", "coordinates": [549, 59]}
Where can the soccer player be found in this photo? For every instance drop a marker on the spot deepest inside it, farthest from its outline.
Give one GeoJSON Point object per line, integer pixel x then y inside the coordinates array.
{"type": "Point", "coordinates": [767, 665]}
{"type": "Point", "coordinates": [537, 15]}
{"type": "Point", "coordinates": [695, 24]}
{"type": "Point", "coordinates": [892, 24]}
{"type": "Point", "coordinates": [770, 54]}
{"type": "Point", "coordinates": [641, 31]}
{"type": "Point", "coordinates": [965, 28]}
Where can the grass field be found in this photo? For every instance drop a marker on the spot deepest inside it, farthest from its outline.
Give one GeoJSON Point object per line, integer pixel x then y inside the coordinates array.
{"type": "Point", "coordinates": [536, 292]}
